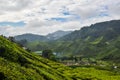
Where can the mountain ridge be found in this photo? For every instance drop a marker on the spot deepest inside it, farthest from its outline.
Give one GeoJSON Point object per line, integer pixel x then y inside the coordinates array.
{"type": "Point", "coordinates": [100, 39]}
{"type": "Point", "coordinates": [30, 37]}
{"type": "Point", "coordinates": [95, 30]}
{"type": "Point", "coordinates": [58, 34]}
{"type": "Point", "coordinates": [35, 37]}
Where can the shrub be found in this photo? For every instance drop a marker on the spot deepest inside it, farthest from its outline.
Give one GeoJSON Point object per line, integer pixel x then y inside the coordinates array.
{"type": "Point", "coordinates": [2, 76]}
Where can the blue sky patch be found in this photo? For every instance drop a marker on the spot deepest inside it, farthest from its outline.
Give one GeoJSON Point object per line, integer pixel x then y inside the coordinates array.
{"type": "Point", "coordinates": [60, 19]}
{"type": "Point", "coordinates": [14, 24]}
{"type": "Point", "coordinates": [77, 17]}
{"type": "Point", "coordinates": [103, 14]}
{"type": "Point", "coordinates": [66, 13]}
{"type": "Point", "coordinates": [106, 7]}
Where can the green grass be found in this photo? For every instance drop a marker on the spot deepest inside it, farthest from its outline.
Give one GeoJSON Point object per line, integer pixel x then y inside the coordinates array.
{"type": "Point", "coordinates": [16, 63]}
{"type": "Point", "coordinates": [98, 40]}
{"type": "Point", "coordinates": [94, 74]}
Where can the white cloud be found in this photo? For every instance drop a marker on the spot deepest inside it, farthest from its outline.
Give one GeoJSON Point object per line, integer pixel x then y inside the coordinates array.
{"type": "Point", "coordinates": [38, 14]}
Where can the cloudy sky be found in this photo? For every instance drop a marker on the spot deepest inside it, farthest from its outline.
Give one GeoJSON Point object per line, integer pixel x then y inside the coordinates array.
{"type": "Point", "coordinates": [46, 16]}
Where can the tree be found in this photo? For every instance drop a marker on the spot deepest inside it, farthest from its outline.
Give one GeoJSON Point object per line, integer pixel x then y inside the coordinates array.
{"type": "Point", "coordinates": [48, 54]}
{"type": "Point", "coordinates": [22, 42]}
{"type": "Point", "coordinates": [2, 76]}
{"type": "Point", "coordinates": [12, 39]}
{"type": "Point", "coordinates": [75, 58]}
{"type": "Point", "coordinates": [2, 50]}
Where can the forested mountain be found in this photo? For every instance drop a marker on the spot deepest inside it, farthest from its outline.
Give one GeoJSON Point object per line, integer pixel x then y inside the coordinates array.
{"type": "Point", "coordinates": [101, 40]}
{"type": "Point", "coordinates": [108, 29]}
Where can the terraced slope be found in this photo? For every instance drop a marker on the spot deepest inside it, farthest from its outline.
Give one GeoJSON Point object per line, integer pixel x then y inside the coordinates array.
{"type": "Point", "coordinates": [18, 64]}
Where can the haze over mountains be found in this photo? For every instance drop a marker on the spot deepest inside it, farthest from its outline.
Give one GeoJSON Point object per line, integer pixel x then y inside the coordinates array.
{"type": "Point", "coordinates": [95, 30]}
{"type": "Point", "coordinates": [30, 37]}
{"type": "Point", "coordinates": [51, 36]}
{"type": "Point", "coordinates": [58, 34]}
{"type": "Point", "coordinates": [100, 40]}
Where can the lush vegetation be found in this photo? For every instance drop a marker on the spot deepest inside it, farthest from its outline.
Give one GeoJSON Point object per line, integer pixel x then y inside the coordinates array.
{"type": "Point", "coordinates": [18, 64]}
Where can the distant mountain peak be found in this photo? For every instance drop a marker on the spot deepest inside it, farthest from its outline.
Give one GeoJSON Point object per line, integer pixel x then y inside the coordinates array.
{"type": "Point", "coordinates": [31, 37]}
{"type": "Point", "coordinates": [57, 34]}
{"type": "Point", "coordinates": [35, 37]}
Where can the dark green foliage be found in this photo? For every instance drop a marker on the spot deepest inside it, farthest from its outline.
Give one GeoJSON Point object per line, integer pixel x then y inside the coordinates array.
{"type": "Point", "coordinates": [2, 50]}
{"type": "Point", "coordinates": [12, 39]}
{"type": "Point", "coordinates": [22, 60]}
{"type": "Point", "coordinates": [4, 53]}
{"type": "Point", "coordinates": [2, 76]}
{"type": "Point", "coordinates": [48, 54]}
{"type": "Point", "coordinates": [22, 42]}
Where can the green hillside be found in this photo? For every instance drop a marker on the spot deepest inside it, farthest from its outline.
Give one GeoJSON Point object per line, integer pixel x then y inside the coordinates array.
{"type": "Point", "coordinates": [18, 64]}
{"type": "Point", "coordinates": [101, 40]}
{"type": "Point", "coordinates": [108, 29]}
